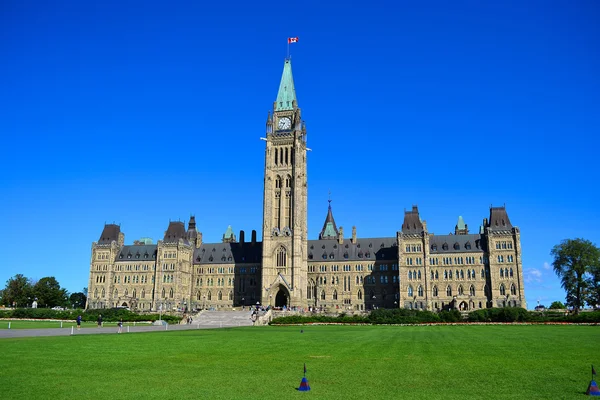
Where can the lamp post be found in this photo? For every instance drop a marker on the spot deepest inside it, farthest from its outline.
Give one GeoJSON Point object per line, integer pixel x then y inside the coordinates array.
{"type": "Point", "coordinates": [243, 303]}
{"type": "Point", "coordinates": [270, 300]}
{"type": "Point", "coordinates": [185, 306]}
{"type": "Point", "coordinates": [374, 299]}
{"type": "Point", "coordinates": [204, 302]}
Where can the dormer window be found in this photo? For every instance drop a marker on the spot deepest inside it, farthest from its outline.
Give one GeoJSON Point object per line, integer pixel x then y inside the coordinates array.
{"type": "Point", "coordinates": [468, 245]}
{"type": "Point", "coordinates": [434, 247]}
{"type": "Point", "coordinates": [346, 255]}
{"type": "Point", "coordinates": [445, 246]}
{"type": "Point", "coordinates": [456, 246]}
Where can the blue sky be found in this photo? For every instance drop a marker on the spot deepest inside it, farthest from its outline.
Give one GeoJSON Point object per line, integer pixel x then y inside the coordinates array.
{"type": "Point", "coordinates": [144, 112]}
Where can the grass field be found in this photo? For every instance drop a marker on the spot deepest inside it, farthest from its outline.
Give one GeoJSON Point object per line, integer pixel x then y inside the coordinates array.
{"type": "Point", "coordinates": [343, 362]}
{"type": "Point", "coordinates": [44, 324]}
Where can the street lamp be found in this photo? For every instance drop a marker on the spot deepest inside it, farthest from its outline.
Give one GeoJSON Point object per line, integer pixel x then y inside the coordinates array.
{"type": "Point", "coordinates": [203, 302]}
{"type": "Point", "coordinates": [270, 300]}
{"type": "Point", "coordinates": [374, 306]}
{"type": "Point", "coordinates": [243, 303]}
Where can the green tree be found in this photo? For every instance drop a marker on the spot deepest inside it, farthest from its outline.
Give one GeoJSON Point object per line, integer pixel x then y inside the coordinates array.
{"type": "Point", "coordinates": [78, 299]}
{"type": "Point", "coordinates": [17, 291]}
{"type": "Point", "coordinates": [557, 305]}
{"type": "Point", "coordinates": [594, 284]}
{"type": "Point", "coordinates": [574, 261]}
{"type": "Point", "coordinates": [49, 293]}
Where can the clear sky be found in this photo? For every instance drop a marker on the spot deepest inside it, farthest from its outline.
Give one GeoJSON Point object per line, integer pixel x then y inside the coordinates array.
{"type": "Point", "coordinates": [140, 113]}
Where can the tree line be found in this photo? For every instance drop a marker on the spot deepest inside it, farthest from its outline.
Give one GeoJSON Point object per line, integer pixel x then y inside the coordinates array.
{"type": "Point", "coordinates": [22, 292]}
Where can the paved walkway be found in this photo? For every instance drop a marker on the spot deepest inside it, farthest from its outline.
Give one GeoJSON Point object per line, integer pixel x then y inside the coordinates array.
{"type": "Point", "coordinates": [17, 333]}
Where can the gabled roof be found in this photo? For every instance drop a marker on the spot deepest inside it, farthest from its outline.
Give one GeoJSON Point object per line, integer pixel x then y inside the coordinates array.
{"type": "Point", "coordinates": [229, 236]}
{"type": "Point", "coordinates": [109, 233]}
{"type": "Point", "coordinates": [228, 253]}
{"type": "Point", "coordinates": [329, 230]}
{"type": "Point", "coordinates": [443, 244]}
{"type": "Point", "coordinates": [145, 252]}
{"type": "Point", "coordinates": [412, 222]}
{"type": "Point", "coordinates": [365, 249]}
{"type": "Point", "coordinates": [499, 219]}
{"type": "Point", "coordinates": [287, 93]}
{"type": "Point", "coordinates": [175, 231]}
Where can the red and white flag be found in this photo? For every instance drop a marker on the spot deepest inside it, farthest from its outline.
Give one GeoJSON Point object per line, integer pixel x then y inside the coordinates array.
{"type": "Point", "coordinates": [292, 40]}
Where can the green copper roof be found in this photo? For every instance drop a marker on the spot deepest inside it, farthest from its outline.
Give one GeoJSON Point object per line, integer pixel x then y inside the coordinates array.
{"type": "Point", "coordinates": [329, 230]}
{"type": "Point", "coordinates": [228, 233]}
{"type": "Point", "coordinates": [461, 222]}
{"type": "Point", "coordinates": [287, 92]}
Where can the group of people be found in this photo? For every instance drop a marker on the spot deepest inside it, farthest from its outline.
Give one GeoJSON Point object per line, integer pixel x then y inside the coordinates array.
{"type": "Point", "coordinates": [119, 324]}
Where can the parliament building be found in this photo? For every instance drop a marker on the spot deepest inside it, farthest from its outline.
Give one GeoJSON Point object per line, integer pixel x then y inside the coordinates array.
{"type": "Point", "coordinates": [412, 268]}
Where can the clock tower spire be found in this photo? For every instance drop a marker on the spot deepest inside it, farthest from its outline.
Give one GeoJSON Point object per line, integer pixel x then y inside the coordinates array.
{"type": "Point", "coordinates": [284, 259]}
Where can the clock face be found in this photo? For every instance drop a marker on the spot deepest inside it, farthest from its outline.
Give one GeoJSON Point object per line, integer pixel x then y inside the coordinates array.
{"type": "Point", "coordinates": [284, 123]}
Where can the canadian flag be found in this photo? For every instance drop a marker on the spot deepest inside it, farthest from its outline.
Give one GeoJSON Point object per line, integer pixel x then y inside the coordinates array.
{"type": "Point", "coordinates": [292, 40]}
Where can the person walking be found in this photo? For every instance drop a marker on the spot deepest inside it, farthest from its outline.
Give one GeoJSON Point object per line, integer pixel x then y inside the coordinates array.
{"type": "Point", "coordinates": [120, 324]}
{"type": "Point", "coordinates": [99, 320]}
{"type": "Point", "coordinates": [78, 322]}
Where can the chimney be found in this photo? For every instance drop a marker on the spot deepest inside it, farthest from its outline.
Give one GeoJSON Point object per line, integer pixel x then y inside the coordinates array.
{"type": "Point", "coordinates": [242, 237]}
{"type": "Point", "coordinates": [253, 236]}
{"type": "Point", "coordinates": [341, 235]}
{"type": "Point", "coordinates": [353, 235]}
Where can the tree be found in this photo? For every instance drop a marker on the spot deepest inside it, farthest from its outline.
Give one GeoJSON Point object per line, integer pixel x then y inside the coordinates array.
{"type": "Point", "coordinates": [49, 293]}
{"type": "Point", "coordinates": [557, 305]}
{"type": "Point", "coordinates": [17, 291]}
{"type": "Point", "coordinates": [594, 291]}
{"type": "Point", "coordinates": [78, 299]}
{"type": "Point", "coordinates": [574, 262]}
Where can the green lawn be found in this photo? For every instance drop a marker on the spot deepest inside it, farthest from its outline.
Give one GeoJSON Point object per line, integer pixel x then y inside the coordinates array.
{"type": "Point", "coordinates": [343, 362]}
{"type": "Point", "coordinates": [44, 324]}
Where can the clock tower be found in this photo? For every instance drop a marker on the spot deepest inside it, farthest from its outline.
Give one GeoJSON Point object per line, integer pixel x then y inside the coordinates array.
{"type": "Point", "coordinates": [284, 257]}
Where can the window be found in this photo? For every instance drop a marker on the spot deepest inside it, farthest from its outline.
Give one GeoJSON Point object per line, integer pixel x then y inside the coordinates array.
{"type": "Point", "coordinates": [460, 290]}
{"type": "Point", "coordinates": [322, 295]}
{"type": "Point", "coordinates": [448, 291]}
{"type": "Point", "coordinates": [420, 291]}
{"type": "Point", "coordinates": [410, 291]}
{"type": "Point", "coordinates": [281, 257]}
{"type": "Point", "coordinates": [472, 290]}
{"type": "Point", "coordinates": [502, 290]}
{"type": "Point", "coordinates": [435, 291]}
{"type": "Point", "coordinates": [445, 246]}
{"type": "Point", "coordinates": [513, 290]}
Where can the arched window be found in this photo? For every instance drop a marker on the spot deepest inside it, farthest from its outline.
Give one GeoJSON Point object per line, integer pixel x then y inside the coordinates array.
{"type": "Point", "coordinates": [133, 294]}
{"type": "Point", "coordinates": [281, 257]}
{"type": "Point", "coordinates": [472, 290]}
{"type": "Point", "coordinates": [230, 295]}
{"type": "Point", "coordinates": [209, 296]}
{"type": "Point", "coordinates": [460, 290]}
{"type": "Point", "coordinates": [511, 272]}
{"type": "Point", "coordinates": [410, 291]}
{"type": "Point", "coordinates": [171, 293]}
{"type": "Point", "coordinates": [198, 295]}
{"type": "Point", "coordinates": [513, 289]}
{"type": "Point", "coordinates": [502, 289]}
{"type": "Point", "coordinates": [501, 272]}
{"type": "Point", "coordinates": [322, 295]}
{"type": "Point", "coordinates": [448, 291]}
{"type": "Point", "coordinates": [359, 295]}
{"type": "Point", "coordinates": [219, 296]}
{"type": "Point", "coordinates": [435, 291]}
{"type": "Point", "coordinates": [335, 295]}
{"type": "Point", "coordinates": [410, 275]}
{"type": "Point", "coordinates": [164, 293]}
{"type": "Point", "coordinates": [420, 291]}
{"type": "Point", "coordinates": [419, 275]}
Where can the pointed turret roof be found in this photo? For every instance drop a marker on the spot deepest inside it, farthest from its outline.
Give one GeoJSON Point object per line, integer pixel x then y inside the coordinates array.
{"type": "Point", "coordinates": [461, 223]}
{"type": "Point", "coordinates": [287, 93]}
{"type": "Point", "coordinates": [329, 230]}
{"type": "Point", "coordinates": [229, 236]}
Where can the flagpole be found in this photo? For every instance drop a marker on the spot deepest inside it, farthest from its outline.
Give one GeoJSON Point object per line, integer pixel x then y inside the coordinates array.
{"type": "Point", "coordinates": [288, 49]}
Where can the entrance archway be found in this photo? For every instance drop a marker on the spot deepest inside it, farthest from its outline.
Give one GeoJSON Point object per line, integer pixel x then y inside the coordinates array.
{"type": "Point", "coordinates": [463, 306]}
{"type": "Point", "coordinates": [282, 298]}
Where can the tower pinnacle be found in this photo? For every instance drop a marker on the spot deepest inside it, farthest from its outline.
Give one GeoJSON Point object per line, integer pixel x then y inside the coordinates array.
{"type": "Point", "coordinates": [287, 93]}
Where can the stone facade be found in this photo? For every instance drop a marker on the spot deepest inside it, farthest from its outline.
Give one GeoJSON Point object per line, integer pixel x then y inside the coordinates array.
{"type": "Point", "coordinates": [412, 269]}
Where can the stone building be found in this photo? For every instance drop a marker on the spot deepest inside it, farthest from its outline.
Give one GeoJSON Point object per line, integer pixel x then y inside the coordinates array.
{"type": "Point", "coordinates": [412, 269]}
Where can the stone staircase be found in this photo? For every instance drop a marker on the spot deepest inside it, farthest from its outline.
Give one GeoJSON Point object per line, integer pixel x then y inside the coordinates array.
{"type": "Point", "coordinates": [223, 319]}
